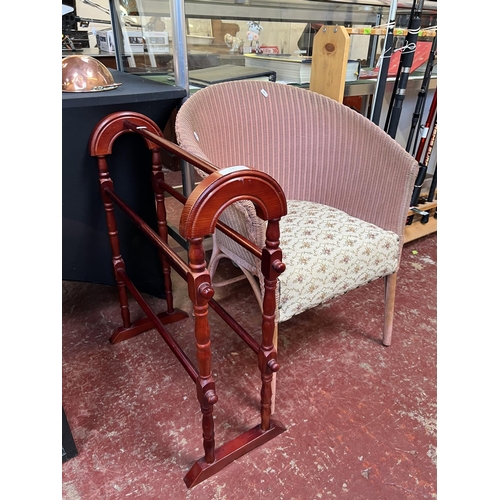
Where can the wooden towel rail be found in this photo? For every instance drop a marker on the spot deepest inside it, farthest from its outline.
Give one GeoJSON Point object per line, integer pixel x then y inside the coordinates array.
{"type": "Point", "coordinates": [199, 218]}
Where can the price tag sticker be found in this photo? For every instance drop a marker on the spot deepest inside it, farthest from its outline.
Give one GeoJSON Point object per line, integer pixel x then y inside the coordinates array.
{"type": "Point", "coordinates": [367, 31]}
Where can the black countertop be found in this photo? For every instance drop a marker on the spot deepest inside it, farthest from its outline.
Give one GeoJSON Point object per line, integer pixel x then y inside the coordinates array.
{"type": "Point", "coordinates": [134, 88]}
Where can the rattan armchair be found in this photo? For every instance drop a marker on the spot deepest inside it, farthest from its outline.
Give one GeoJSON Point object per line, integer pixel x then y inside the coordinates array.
{"type": "Point", "coordinates": [347, 183]}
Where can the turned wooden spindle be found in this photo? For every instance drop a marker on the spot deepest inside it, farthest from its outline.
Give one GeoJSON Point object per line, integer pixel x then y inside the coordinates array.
{"type": "Point", "coordinates": [200, 292]}
{"type": "Point", "coordinates": [161, 216]}
{"type": "Point", "coordinates": [106, 184]}
{"type": "Point", "coordinates": [272, 266]}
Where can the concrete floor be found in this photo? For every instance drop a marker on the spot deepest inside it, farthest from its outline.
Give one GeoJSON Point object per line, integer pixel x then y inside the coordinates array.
{"type": "Point", "coordinates": [360, 417]}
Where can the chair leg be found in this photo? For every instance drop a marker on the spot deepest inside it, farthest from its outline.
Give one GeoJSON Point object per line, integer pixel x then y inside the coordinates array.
{"type": "Point", "coordinates": [217, 255]}
{"type": "Point", "coordinates": [214, 258]}
{"type": "Point", "coordinates": [390, 297]}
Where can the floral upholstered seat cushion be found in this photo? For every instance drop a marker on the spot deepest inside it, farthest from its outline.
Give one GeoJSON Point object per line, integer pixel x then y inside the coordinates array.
{"type": "Point", "coordinates": [352, 252]}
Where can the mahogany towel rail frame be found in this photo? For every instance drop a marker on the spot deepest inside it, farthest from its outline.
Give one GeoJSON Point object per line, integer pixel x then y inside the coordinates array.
{"type": "Point", "coordinates": [199, 218]}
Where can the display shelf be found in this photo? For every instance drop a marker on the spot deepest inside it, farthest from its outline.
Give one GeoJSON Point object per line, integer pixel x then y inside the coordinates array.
{"type": "Point", "coordinates": [231, 17]}
{"type": "Point", "coordinates": [382, 31]}
{"type": "Point", "coordinates": [416, 229]}
{"type": "Point", "coordinates": [290, 10]}
{"type": "Point", "coordinates": [268, 10]}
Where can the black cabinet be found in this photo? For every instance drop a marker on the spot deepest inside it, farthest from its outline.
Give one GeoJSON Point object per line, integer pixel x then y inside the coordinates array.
{"type": "Point", "coordinates": [86, 254]}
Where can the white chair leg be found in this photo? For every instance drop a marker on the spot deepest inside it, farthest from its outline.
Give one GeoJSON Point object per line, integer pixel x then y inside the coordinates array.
{"type": "Point", "coordinates": [214, 258]}
{"type": "Point", "coordinates": [217, 255]}
{"type": "Point", "coordinates": [390, 297]}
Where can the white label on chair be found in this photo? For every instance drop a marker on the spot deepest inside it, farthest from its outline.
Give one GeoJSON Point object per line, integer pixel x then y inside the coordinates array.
{"type": "Point", "coordinates": [263, 92]}
{"type": "Point", "coordinates": [230, 170]}
{"type": "Point", "coordinates": [196, 136]}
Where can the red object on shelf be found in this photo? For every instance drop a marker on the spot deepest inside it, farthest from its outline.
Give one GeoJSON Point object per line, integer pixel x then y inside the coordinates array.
{"type": "Point", "coordinates": [269, 49]}
{"type": "Point", "coordinates": [422, 51]}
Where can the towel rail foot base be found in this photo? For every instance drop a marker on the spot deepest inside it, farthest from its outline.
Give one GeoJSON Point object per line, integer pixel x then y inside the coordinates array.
{"type": "Point", "coordinates": [142, 325]}
{"type": "Point", "coordinates": [232, 450]}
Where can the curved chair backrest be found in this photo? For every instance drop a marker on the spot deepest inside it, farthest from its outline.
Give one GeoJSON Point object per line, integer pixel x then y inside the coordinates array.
{"type": "Point", "coordinates": [316, 148]}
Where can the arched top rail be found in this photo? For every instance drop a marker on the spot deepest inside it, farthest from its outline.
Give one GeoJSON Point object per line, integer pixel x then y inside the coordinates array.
{"type": "Point", "coordinates": [112, 126]}
{"type": "Point", "coordinates": [222, 188]}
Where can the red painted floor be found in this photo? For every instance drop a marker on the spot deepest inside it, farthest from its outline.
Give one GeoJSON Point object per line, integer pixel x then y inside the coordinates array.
{"type": "Point", "coordinates": [360, 417]}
